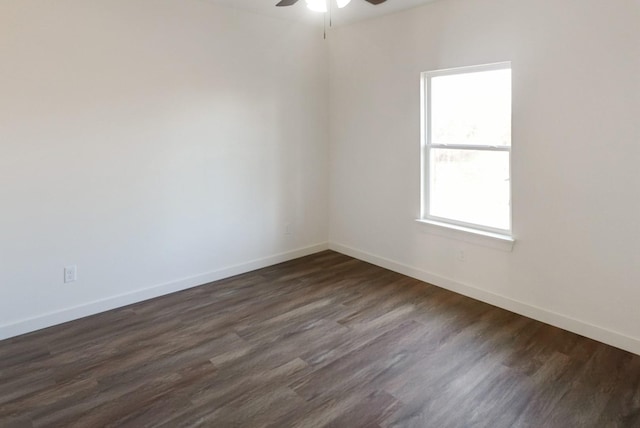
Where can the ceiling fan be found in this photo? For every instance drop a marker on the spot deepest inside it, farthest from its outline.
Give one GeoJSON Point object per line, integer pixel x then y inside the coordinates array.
{"type": "Point", "coordinates": [321, 5]}
{"type": "Point", "coordinates": [324, 6]}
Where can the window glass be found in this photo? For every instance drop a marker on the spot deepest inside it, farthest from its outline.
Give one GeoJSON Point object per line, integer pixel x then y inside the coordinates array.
{"type": "Point", "coordinates": [471, 186]}
{"type": "Point", "coordinates": [471, 108]}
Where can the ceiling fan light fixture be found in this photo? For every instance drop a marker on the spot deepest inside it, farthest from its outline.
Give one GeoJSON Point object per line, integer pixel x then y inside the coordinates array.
{"type": "Point", "coordinates": [317, 5]}
{"type": "Point", "coordinates": [323, 5]}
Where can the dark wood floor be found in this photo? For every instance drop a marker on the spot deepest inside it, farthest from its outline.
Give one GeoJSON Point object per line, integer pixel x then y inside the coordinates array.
{"type": "Point", "coordinates": [324, 340]}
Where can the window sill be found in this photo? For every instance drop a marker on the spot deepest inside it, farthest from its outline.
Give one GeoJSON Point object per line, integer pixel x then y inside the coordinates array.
{"type": "Point", "coordinates": [473, 236]}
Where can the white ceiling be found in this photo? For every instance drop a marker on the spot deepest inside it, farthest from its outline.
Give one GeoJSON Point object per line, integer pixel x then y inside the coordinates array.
{"type": "Point", "coordinates": [357, 10]}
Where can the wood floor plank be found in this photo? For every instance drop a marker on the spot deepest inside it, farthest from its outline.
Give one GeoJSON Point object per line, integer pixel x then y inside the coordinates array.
{"type": "Point", "coordinates": [321, 341]}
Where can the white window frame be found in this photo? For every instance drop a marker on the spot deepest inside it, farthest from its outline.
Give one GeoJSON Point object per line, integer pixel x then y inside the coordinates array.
{"type": "Point", "coordinates": [427, 146]}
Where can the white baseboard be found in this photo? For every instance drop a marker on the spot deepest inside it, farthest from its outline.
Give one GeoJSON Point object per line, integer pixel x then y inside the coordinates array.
{"type": "Point", "coordinates": [564, 322]}
{"type": "Point", "coordinates": [92, 308]}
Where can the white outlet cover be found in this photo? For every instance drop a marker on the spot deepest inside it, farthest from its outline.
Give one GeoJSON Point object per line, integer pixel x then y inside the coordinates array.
{"type": "Point", "coordinates": [70, 273]}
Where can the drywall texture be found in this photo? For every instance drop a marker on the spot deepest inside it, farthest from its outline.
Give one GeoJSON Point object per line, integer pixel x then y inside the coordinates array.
{"type": "Point", "coordinates": [576, 134]}
{"type": "Point", "coordinates": [151, 141]}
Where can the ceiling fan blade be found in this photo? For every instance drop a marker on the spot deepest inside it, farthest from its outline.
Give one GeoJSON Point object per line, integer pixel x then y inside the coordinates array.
{"type": "Point", "coordinates": [376, 1]}
{"type": "Point", "coordinates": [287, 2]}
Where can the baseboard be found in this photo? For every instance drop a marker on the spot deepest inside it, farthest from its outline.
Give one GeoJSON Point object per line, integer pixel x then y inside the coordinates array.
{"type": "Point", "coordinates": [564, 322]}
{"type": "Point", "coordinates": [92, 308]}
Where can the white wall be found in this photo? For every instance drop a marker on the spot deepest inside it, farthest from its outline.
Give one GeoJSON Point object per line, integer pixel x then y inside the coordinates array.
{"type": "Point", "coordinates": [576, 151]}
{"type": "Point", "coordinates": [157, 144]}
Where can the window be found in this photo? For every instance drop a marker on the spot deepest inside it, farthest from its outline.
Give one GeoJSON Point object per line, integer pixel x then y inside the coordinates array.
{"type": "Point", "coordinates": [466, 147]}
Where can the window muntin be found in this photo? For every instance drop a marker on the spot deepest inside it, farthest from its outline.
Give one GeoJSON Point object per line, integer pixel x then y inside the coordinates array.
{"type": "Point", "coordinates": [467, 147]}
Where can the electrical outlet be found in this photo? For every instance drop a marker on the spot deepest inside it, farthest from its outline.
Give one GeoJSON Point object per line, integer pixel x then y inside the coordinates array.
{"type": "Point", "coordinates": [288, 229]}
{"type": "Point", "coordinates": [461, 256]}
{"type": "Point", "coordinates": [70, 273]}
